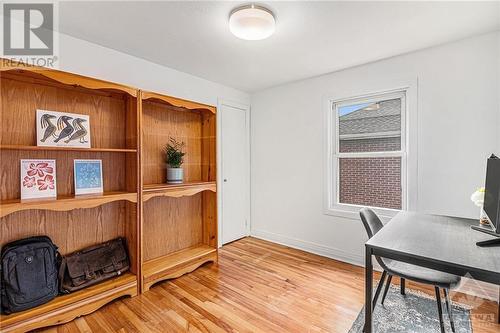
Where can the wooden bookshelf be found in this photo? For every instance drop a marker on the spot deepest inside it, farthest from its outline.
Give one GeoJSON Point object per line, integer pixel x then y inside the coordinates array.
{"type": "Point", "coordinates": [170, 229]}
{"type": "Point", "coordinates": [188, 210]}
{"type": "Point", "coordinates": [72, 222]}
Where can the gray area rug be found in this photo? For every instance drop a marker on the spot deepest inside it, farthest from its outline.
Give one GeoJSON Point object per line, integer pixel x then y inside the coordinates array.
{"type": "Point", "coordinates": [412, 313]}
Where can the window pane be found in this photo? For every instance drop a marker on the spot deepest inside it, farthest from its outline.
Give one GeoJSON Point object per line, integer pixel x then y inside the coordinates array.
{"type": "Point", "coordinates": [370, 127]}
{"type": "Point", "coordinates": [374, 181]}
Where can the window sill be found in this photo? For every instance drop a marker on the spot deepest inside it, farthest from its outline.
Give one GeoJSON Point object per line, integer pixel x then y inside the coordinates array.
{"type": "Point", "coordinates": [352, 212]}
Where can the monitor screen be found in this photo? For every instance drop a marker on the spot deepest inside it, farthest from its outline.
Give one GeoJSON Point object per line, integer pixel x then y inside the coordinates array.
{"type": "Point", "coordinates": [492, 192]}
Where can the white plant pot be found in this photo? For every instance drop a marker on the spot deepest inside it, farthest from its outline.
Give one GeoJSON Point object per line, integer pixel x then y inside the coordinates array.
{"type": "Point", "coordinates": [175, 175]}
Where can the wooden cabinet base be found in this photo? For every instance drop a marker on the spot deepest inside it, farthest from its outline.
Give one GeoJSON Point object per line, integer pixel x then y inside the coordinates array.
{"type": "Point", "coordinates": [68, 307]}
{"type": "Point", "coordinates": [176, 264]}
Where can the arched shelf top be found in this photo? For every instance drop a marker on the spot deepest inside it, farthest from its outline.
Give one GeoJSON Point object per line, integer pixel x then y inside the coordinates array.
{"type": "Point", "coordinates": [178, 102]}
{"type": "Point", "coordinates": [177, 190]}
{"type": "Point", "coordinates": [66, 78]}
{"type": "Point", "coordinates": [65, 203]}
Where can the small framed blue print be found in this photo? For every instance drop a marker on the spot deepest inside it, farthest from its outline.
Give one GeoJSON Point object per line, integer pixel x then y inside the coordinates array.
{"type": "Point", "coordinates": [88, 177]}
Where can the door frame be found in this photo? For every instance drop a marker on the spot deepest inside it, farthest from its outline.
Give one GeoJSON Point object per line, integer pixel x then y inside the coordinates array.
{"type": "Point", "coordinates": [220, 198]}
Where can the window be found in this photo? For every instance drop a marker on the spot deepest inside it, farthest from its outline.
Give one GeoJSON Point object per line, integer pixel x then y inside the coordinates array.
{"type": "Point", "coordinates": [368, 153]}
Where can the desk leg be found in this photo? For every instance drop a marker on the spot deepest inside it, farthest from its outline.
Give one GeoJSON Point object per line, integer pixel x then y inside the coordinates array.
{"type": "Point", "coordinates": [498, 312]}
{"type": "Point", "coordinates": [368, 290]}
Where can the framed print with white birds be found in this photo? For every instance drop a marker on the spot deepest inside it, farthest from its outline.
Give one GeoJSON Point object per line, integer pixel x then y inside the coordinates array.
{"type": "Point", "coordinates": [62, 129]}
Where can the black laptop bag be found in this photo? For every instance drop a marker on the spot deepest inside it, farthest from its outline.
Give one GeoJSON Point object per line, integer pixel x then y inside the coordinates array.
{"type": "Point", "coordinates": [28, 273]}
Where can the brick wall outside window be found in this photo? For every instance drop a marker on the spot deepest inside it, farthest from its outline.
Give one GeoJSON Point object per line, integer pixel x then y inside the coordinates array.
{"type": "Point", "coordinates": [371, 181]}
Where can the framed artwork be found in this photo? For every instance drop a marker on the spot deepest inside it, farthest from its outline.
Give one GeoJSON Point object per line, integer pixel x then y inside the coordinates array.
{"type": "Point", "coordinates": [38, 179]}
{"type": "Point", "coordinates": [88, 177]}
{"type": "Point", "coordinates": [62, 129]}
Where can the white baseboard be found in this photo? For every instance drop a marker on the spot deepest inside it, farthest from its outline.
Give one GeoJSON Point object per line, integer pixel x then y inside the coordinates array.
{"type": "Point", "coordinates": [474, 288]}
{"type": "Point", "coordinates": [322, 250]}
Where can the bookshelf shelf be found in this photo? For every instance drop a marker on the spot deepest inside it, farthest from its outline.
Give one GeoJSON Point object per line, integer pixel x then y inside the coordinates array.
{"type": "Point", "coordinates": [40, 148]}
{"type": "Point", "coordinates": [177, 190]}
{"type": "Point", "coordinates": [35, 73]}
{"type": "Point", "coordinates": [65, 202]}
{"type": "Point", "coordinates": [72, 305]}
{"type": "Point", "coordinates": [176, 264]}
{"type": "Point", "coordinates": [178, 102]}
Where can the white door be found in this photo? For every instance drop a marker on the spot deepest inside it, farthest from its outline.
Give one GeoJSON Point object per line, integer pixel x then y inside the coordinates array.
{"type": "Point", "coordinates": [235, 172]}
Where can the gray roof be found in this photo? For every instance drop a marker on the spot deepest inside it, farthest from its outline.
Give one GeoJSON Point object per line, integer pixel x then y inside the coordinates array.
{"type": "Point", "coordinates": [387, 118]}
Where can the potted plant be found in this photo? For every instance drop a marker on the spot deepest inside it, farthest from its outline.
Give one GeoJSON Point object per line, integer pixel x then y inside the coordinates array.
{"type": "Point", "coordinates": [174, 158]}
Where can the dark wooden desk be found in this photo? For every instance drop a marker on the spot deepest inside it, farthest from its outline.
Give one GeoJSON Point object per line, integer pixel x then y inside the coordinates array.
{"type": "Point", "coordinates": [438, 242]}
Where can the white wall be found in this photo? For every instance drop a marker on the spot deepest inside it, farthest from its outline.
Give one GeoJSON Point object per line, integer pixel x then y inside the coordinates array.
{"type": "Point", "coordinates": [458, 127]}
{"type": "Point", "coordinates": [81, 57]}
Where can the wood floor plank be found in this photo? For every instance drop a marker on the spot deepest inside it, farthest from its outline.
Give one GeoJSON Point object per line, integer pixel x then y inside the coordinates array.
{"type": "Point", "coordinates": [258, 287]}
{"type": "Point", "coordinates": [247, 311]}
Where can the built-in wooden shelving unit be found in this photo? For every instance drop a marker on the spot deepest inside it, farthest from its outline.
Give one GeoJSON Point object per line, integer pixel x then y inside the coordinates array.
{"type": "Point", "coordinates": [188, 210]}
{"type": "Point", "coordinates": [170, 229]}
{"type": "Point", "coordinates": [72, 222]}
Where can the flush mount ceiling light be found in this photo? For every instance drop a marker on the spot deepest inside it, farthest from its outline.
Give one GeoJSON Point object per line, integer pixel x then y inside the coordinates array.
{"type": "Point", "coordinates": [252, 22]}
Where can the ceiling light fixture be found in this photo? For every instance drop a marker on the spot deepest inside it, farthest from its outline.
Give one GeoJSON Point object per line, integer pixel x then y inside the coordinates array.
{"type": "Point", "coordinates": [252, 22]}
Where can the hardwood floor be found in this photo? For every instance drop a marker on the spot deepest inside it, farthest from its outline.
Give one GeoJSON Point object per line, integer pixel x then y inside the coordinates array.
{"type": "Point", "coordinates": [257, 287]}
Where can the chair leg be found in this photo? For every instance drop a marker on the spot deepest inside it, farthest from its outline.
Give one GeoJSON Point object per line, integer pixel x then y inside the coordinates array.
{"type": "Point", "coordinates": [498, 312]}
{"type": "Point", "coordinates": [403, 286]}
{"type": "Point", "coordinates": [379, 288]}
{"type": "Point", "coordinates": [449, 308]}
{"type": "Point", "coordinates": [377, 292]}
{"type": "Point", "coordinates": [440, 308]}
{"type": "Point", "coordinates": [387, 285]}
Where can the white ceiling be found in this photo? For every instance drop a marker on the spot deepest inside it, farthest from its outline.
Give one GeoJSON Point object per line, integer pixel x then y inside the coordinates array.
{"type": "Point", "coordinates": [311, 38]}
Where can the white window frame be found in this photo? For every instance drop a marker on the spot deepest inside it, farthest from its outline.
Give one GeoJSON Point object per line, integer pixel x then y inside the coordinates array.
{"type": "Point", "coordinates": [333, 205]}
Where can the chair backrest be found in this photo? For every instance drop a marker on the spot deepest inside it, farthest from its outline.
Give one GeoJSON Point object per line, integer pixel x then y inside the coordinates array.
{"type": "Point", "coordinates": [371, 221]}
{"type": "Point", "coordinates": [372, 225]}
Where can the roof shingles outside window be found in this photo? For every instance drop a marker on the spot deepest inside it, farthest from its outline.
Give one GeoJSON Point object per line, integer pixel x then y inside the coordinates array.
{"type": "Point", "coordinates": [385, 118]}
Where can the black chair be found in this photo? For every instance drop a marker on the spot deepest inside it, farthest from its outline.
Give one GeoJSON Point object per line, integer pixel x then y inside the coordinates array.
{"type": "Point", "coordinates": [405, 271]}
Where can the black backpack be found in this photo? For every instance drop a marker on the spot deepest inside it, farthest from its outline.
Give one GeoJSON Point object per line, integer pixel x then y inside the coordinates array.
{"type": "Point", "coordinates": [28, 273]}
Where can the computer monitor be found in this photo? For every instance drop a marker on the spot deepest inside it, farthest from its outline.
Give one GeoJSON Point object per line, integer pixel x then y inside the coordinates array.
{"type": "Point", "coordinates": [492, 192]}
{"type": "Point", "coordinates": [491, 205]}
